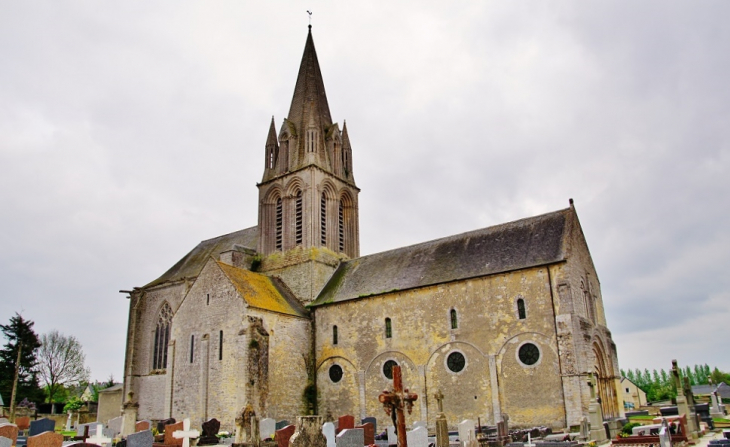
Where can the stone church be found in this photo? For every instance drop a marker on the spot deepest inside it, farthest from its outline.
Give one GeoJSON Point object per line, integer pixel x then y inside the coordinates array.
{"type": "Point", "coordinates": [288, 318]}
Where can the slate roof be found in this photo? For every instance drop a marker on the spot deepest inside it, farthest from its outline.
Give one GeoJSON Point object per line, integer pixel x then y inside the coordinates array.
{"type": "Point", "coordinates": [722, 389]}
{"type": "Point", "coordinates": [524, 243]}
{"type": "Point", "coordinates": [192, 263]}
{"type": "Point", "coordinates": [263, 292]}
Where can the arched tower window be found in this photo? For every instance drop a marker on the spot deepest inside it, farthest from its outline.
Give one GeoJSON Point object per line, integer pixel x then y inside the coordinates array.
{"type": "Point", "coordinates": [298, 218]}
{"type": "Point", "coordinates": [454, 319]}
{"type": "Point", "coordinates": [334, 335]}
{"type": "Point", "coordinates": [341, 226]}
{"type": "Point", "coordinates": [521, 309]}
{"type": "Point", "coordinates": [388, 328]}
{"type": "Point", "coordinates": [162, 337]}
{"type": "Point", "coordinates": [323, 219]}
{"type": "Point", "coordinates": [279, 224]}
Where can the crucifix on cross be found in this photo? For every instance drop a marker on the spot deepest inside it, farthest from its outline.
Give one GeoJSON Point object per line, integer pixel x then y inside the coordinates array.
{"type": "Point", "coordinates": [394, 402]}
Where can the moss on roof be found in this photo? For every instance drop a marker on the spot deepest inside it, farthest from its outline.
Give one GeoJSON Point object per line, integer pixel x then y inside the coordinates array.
{"type": "Point", "coordinates": [515, 245]}
{"type": "Point", "coordinates": [263, 292]}
{"type": "Point", "coordinates": [192, 263]}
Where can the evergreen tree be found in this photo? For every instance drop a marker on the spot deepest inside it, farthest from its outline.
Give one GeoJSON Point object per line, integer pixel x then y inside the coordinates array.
{"type": "Point", "coordinates": [655, 377]}
{"type": "Point", "coordinates": [19, 330]}
{"type": "Point", "coordinates": [700, 378]}
{"type": "Point", "coordinates": [623, 373]}
{"type": "Point", "coordinates": [665, 377]}
{"type": "Point", "coordinates": [639, 379]}
{"type": "Point", "coordinates": [688, 374]}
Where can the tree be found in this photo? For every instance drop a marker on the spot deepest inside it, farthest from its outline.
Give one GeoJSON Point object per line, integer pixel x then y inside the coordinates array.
{"type": "Point", "coordinates": [61, 362]}
{"type": "Point", "coordinates": [19, 332]}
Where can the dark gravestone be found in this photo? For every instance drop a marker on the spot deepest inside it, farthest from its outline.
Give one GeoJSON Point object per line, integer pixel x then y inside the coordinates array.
{"type": "Point", "coordinates": [281, 424]}
{"type": "Point", "coordinates": [371, 420]}
{"type": "Point", "coordinates": [345, 422]}
{"type": "Point", "coordinates": [40, 426]}
{"type": "Point", "coordinates": [669, 411]}
{"type": "Point", "coordinates": [161, 425]}
{"type": "Point", "coordinates": [703, 412]}
{"type": "Point", "coordinates": [368, 433]}
{"type": "Point", "coordinates": [143, 438]}
{"type": "Point", "coordinates": [210, 430]}
{"type": "Point", "coordinates": [283, 435]}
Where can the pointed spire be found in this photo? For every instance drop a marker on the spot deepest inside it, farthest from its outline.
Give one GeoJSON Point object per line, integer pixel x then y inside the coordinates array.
{"type": "Point", "coordinates": [310, 100]}
{"type": "Point", "coordinates": [271, 139]}
{"type": "Point", "coordinates": [271, 152]}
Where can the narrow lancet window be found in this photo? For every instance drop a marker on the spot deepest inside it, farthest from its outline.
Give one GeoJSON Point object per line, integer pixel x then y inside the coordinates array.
{"type": "Point", "coordinates": [454, 319]}
{"type": "Point", "coordinates": [220, 346]}
{"type": "Point", "coordinates": [279, 225]}
{"type": "Point", "coordinates": [388, 328]}
{"type": "Point", "coordinates": [521, 309]}
{"type": "Point", "coordinates": [192, 347]}
{"type": "Point", "coordinates": [334, 335]}
{"type": "Point", "coordinates": [162, 337]}
{"type": "Point", "coordinates": [299, 217]}
{"type": "Point", "coordinates": [323, 219]}
{"type": "Point", "coordinates": [341, 226]}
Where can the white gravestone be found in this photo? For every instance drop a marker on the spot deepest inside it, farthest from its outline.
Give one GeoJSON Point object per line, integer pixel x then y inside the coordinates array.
{"type": "Point", "coordinates": [5, 442]}
{"type": "Point", "coordinates": [466, 431]}
{"type": "Point", "coordinates": [328, 430]}
{"type": "Point", "coordinates": [267, 428]}
{"type": "Point", "coordinates": [418, 437]}
{"type": "Point", "coordinates": [68, 421]}
{"type": "Point", "coordinates": [392, 438]}
{"type": "Point", "coordinates": [417, 424]}
{"type": "Point", "coordinates": [186, 433]}
{"type": "Point", "coordinates": [115, 425]}
{"type": "Point", "coordinates": [665, 437]}
{"type": "Point", "coordinates": [351, 437]}
{"type": "Point", "coordinates": [99, 438]}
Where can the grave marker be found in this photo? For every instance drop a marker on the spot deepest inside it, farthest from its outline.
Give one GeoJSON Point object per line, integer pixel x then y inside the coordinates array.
{"type": "Point", "coordinates": [395, 402]}
{"type": "Point", "coordinates": [442, 426]}
{"type": "Point", "coordinates": [170, 430]}
{"type": "Point", "coordinates": [23, 422]}
{"type": "Point", "coordinates": [9, 431]}
{"type": "Point", "coordinates": [267, 428]}
{"type": "Point", "coordinates": [350, 437]}
{"type": "Point", "coordinates": [392, 438]}
{"type": "Point", "coordinates": [466, 431]}
{"type": "Point", "coordinates": [665, 437]}
{"type": "Point", "coordinates": [368, 433]}
{"type": "Point", "coordinates": [283, 435]}
{"type": "Point", "coordinates": [371, 420]}
{"type": "Point", "coordinates": [115, 425]}
{"type": "Point", "coordinates": [46, 439]}
{"type": "Point", "coordinates": [5, 442]}
{"type": "Point", "coordinates": [282, 424]}
{"type": "Point", "coordinates": [210, 430]}
{"type": "Point", "coordinates": [41, 426]}
{"type": "Point", "coordinates": [186, 433]}
{"type": "Point", "coordinates": [328, 430]}
{"type": "Point", "coordinates": [418, 437]}
{"type": "Point", "coordinates": [142, 426]}
{"type": "Point", "coordinates": [160, 425]}
{"type": "Point", "coordinates": [345, 422]}
{"type": "Point", "coordinates": [143, 438]}
{"type": "Point", "coordinates": [99, 438]}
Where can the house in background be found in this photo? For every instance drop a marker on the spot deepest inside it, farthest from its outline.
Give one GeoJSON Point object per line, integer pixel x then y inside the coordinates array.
{"type": "Point", "coordinates": [633, 396]}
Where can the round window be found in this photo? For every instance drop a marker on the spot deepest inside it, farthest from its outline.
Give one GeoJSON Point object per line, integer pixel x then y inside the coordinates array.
{"type": "Point", "coordinates": [456, 361]}
{"type": "Point", "coordinates": [335, 373]}
{"type": "Point", "coordinates": [388, 368]}
{"type": "Point", "coordinates": [529, 354]}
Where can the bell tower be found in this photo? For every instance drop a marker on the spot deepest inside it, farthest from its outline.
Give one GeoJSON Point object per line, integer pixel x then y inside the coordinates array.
{"type": "Point", "coordinates": [308, 200]}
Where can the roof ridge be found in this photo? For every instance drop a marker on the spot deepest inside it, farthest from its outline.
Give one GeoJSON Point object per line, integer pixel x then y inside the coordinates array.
{"type": "Point", "coordinates": [228, 234]}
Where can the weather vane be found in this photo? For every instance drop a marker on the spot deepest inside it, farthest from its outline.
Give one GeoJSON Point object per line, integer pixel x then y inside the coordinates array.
{"type": "Point", "coordinates": [310, 17]}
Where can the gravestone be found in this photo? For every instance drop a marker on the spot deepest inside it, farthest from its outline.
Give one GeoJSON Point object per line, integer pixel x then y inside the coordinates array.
{"type": "Point", "coordinates": [308, 433]}
{"type": "Point", "coordinates": [82, 427]}
{"type": "Point", "coordinates": [665, 437]}
{"type": "Point", "coordinates": [68, 421]}
{"type": "Point", "coordinates": [267, 428]}
{"type": "Point", "coordinates": [9, 431]}
{"type": "Point", "coordinates": [186, 434]}
{"type": "Point", "coordinates": [417, 424]}
{"type": "Point", "coordinates": [45, 439]}
{"type": "Point", "coordinates": [160, 425]}
{"type": "Point", "coordinates": [283, 435]}
{"type": "Point", "coordinates": [370, 420]}
{"type": "Point", "coordinates": [417, 437]}
{"type": "Point", "coordinates": [442, 426]}
{"type": "Point", "coordinates": [170, 430]}
{"type": "Point", "coordinates": [41, 426]}
{"type": "Point", "coordinates": [368, 433]}
{"type": "Point", "coordinates": [98, 438]}
{"type": "Point", "coordinates": [715, 410]}
{"type": "Point", "coordinates": [115, 425]}
{"type": "Point", "coordinates": [282, 424]}
{"type": "Point", "coordinates": [210, 430]}
{"type": "Point", "coordinates": [585, 429]}
{"type": "Point", "coordinates": [345, 422]}
{"type": "Point", "coordinates": [328, 430]}
{"type": "Point", "coordinates": [143, 438]}
{"type": "Point", "coordinates": [595, 412]}
{"type": "Point", "coordinates": [392, 437]}
{"type": "Point", "coordinates": [23, 422]}
{"type": "Point", "coordinates": [466, 431]}
{"type": "Point", "coordinates": [142, 426]}
{"type": "Point", "coordinates": [5, 442]}
{"type": "Point", "coordinates": [350, 437]}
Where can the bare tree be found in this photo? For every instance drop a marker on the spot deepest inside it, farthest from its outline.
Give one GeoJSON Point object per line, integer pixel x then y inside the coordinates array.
{"type": "Point", "coordinates": [61, 362]}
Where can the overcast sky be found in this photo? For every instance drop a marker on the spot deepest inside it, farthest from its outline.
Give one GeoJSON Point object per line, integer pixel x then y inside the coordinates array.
{"type": "Point", "coordinates": [130, 131]}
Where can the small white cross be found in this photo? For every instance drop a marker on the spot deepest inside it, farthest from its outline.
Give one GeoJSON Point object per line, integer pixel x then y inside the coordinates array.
{"type": "Point", "coordinates": [186, 433]}
{"type": "Point", "coordinates": [529, 441]}
{"type": "Point", "coordinates": [99, 438]}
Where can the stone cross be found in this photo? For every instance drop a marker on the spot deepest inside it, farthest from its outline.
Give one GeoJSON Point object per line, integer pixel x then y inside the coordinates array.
{"type": "Point", "coordinates": [394, 402]}
{"type": "Point", "coordinates": [439, 396]}
{"type": "Point", "coordinates": [99, 438]}
{"type": "Point", "coordinates": [186, 433]}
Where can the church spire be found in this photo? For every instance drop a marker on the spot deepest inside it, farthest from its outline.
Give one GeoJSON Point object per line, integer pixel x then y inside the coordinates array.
{"type": "Point", "coordinates": [309, 102]}
{"type": "Point", "coordinates": [273, 164]}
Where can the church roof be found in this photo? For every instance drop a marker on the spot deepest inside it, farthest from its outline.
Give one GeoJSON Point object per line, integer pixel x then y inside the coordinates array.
{"type": "Point", "coordinates": [511, 246]}
{"type": "Point", "coordinates": [263, 292]}
{"type": "Point", "coordinates": [192, 263]}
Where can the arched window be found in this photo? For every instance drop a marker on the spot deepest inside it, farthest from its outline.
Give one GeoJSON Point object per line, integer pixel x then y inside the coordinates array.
{"type": "Point", "coordinates": [341, 226]}
{"type": "Point", "coordinates": [454, 319]}
{"type": "Point", "coordinates": [521, 309]}
{"type": "Point", "coordinates": [388, 328]}
{"type": "Point", "coordinates": [334, 335]}
{"type": "Point", "coordinates": [323, 219]}
{"type": "Point", "coordinates": [298, 210]}
{"type": "Point", "coordinates": [279, 224]}
{"type": "Point", "coordinates": [162, 337]}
